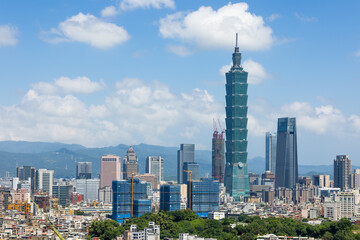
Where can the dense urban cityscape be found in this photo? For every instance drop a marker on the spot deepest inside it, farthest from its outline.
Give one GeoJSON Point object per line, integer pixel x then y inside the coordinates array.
{"type": "Point", "coordinates": [115, 196]}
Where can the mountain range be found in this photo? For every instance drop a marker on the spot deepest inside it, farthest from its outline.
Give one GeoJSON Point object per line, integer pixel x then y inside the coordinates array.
{"type": "Point", "coordinates": [63, 157]}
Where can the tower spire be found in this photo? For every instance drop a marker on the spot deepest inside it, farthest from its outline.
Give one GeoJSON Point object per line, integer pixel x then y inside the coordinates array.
{"type": "Point", "coordinates": [236, 55]}
{"type": "Point", "coordinates": [236, 44]}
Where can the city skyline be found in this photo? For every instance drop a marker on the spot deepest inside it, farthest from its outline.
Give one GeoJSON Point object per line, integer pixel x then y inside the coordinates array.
{"type": "Point", "coordinates": [75, 90]}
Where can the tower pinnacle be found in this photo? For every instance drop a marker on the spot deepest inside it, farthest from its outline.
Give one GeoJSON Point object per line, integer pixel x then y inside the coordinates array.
{"type": "Point", "coordinates": [236, 57]}
{"type": "Point", "coordinates": [236, 45]}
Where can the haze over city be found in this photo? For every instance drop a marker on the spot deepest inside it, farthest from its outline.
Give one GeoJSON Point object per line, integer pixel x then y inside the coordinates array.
{"type": "Point", "coordinates": [158, 77]}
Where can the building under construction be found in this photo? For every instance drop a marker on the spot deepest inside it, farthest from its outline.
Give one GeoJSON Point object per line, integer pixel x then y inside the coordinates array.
{"type": "Point", "coordinates": [218, 153]}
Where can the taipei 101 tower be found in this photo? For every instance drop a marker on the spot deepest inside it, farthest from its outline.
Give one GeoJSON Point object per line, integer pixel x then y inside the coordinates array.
{"type": "Point", "coordinates": [236, 169]}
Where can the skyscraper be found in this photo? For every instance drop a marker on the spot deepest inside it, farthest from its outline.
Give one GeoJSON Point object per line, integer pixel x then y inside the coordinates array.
{"type": "Point", "coordinates": [83, 170]}
{"type": "Point", "coordinates": [110, 169]}
{"type": "Point", "coordinates": [130, 164]}
{"type": "Point", "coordinates": [192, 167]}
{"type": "Point", "coordinates": [155, 165]}
{"type": "Point", "coordinates": [185, 154]}
{"type": "Point", "coordinates": [26, 172]}
{"type": "Point", "coordinates": [45, 180]}
{"type": "Point", "coordinates": [286, 173]}
{"type": "Point", "coordinates": [270, 152]}
{"type": "Point", "coordinates": [236, 169]}
{"type": "Point", "coordinates": [342, 170]}
{"type": "Point", "coordinates": [170, 197]}
{"type": "Point", "coordinates": [218, 156]}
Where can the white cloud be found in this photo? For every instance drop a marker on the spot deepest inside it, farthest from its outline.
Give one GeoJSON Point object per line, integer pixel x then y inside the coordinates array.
{"type": "Point", "coordinates": [109, 11]}
{"type": "Point", "coordinates": [256, 72]}
{"type": "Point", "coordinates": [357, 53]}
{"type": "Point", "coordinates": [68, 85]}
{"type": "Point", "coordinates": [179, 50]}
{"type": "Point", "coordinates": [209, 28]}
{"type": "Point", "coordinates": [273, 17]}
{"type": "Point", "coordinates": [133, 112]}
{"type": "Point", "coordinates": [304, 18]}
{"type": "Point", "coordinates": [86, 28]}
{"type": "Point", "coordinates": [158, 4]}
{"type": "Point", "coordinates": [8, 35]}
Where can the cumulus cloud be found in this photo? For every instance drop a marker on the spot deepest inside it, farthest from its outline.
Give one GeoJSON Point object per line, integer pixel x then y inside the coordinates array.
{"type": "Point", "coordinates": [86, 28]}
{"type": "Point", "coordinates": [8, 35]}
{"type": "Point", "coordinates": [133, 112]}
{"type": "Point", "coordinates": [179, 50]}
{"type": "Point", "coordinates": [68, 85]}
{"type": "Point", "coordinates": [256, 72]}
{"type": "Point", "coordinates": [158, 4]}
{"type": "Point", "coordinates": [109, 11]}
{"type": "Point", "coordinates": [208, 28]}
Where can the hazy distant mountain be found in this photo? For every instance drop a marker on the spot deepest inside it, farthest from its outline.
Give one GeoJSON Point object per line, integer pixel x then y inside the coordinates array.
{"type": "Point", "coordinates": [63, 157]}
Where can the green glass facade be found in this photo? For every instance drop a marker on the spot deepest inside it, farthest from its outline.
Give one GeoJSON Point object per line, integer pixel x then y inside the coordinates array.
{"type": "Point", "coordinates": [236, 169]}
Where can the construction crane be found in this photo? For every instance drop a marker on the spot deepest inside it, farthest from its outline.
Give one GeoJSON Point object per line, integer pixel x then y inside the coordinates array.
{"type": "Point", "coordinates": [49, 223]}
{"type": "Point", "coordinates": [190, 172]}
{"type": "Point", "coordinates": [132, 191]}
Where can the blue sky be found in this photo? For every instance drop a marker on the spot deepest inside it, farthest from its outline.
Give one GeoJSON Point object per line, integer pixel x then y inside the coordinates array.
{"type": "Point", "coordinates": [102, 73]}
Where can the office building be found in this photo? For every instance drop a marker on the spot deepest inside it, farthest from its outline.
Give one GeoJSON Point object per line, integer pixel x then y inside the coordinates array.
{"type": "Point", "coordinates": [286, 173]}
{"type": "Point", "coordinates": [185, 154]}
{"type": "Point", "coordinates": [89, 188]}
{"type": "Point", "coordinates": [218, 155]}
{"type": "Point", "coordinates": [170, 197]}
{"type": "Point", "coordinates": [322, 181]}
{"type": "Point", "coordinates": [268, 178]}
{"type": "Point", "coordinates": [342, 170]}
{"type": "Point", "coordinates": [155, 166]}
{"type": "Point", "coordinates": [45, 180]}
{"type": "Point", "coordinates": [26, 172]}
{"type": "Point", "coordinates": [203, 196]}
{"type": "Point", "coordinates": [130, 164]}
{"type": "Point", "coordinates": [63, 192]}
{"type": "Point", "coordinates": [236, 168]}
{"type": "Point", "coordinates": [123, 206]}
{"type": "Point", "coordinates": [110, 170]}
{"type": "Point", "coordinates": [270, 152]}
{"type": "Point", "coordinates": [354, 179]}
{"type": "Point", "coordinates": [192, 167]}
{"type": "Point", "coordinates": [83, 170]}
{"type": "Point", "coordinates": [105, 194]}
{"type": "Point", "coordinates": [150, 178]}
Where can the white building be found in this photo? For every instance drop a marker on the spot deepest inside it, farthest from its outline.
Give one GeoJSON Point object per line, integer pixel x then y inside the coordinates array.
{"type": "Point", "coordinates": [187, 236]}
{"type": "Point", "coordinates": [152, 232]}
{"type": "Point", "coordinates": [45, 180]}
{"type": "Point", "coordinates": [155, 166]}
{"type": "Point", "coordinates": [89, 188]}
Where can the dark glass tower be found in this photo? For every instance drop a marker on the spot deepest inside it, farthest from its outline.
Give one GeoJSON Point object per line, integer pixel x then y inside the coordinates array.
{"type": "Point", "coordinates": [236, 169]}
{"type": "Point", "coordinates": [218, 156]}
{"type": "Point", "coordinates": [286, 154]}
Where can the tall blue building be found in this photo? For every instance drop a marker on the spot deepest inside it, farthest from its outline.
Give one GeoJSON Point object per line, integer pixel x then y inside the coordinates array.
{"type": "Point", "coordinates": [270, 152]}
{"type": "Point", "coordinates": [194, 168]}
{"type": "Point", "coordinates": [170, 197]}
{"type": "Point", "coordinates": [236, 169]}
{"type": "Point", "coordinates": [204, 197]}
{"type": "Point", "coordinates": [122, 205]}
{"type": "Point", "coordinates": [286, 174]}
{"type": "Point", "coordinates": [185, 154]}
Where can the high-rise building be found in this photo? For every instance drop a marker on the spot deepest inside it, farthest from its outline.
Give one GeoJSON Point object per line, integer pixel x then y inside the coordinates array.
{"type": "Point", "coordinates": [89, 188]}
{"type": "Point", "coordinates": [83, 170]}
{"type": "Point", "coordinates": [322, 181]}
{"type": "Point", "coordinates": [354, 179]}
{"type": "Point", "coordinates": [218, 155]}
{"type": "Point", "coordinates": [170, 197]}
{"type": "Point", "coordinates": [270, 152]}
{"type": "Point", "coordinates": [155, 165]}
{"type": "Point", "coordinates": [185, 154]}
{"type": "Point", "coordinates": [192, 167]}
{"type": "Point", "coordinates": [110, 169]}
{"type": "Point", "coordinates": [203, 196]}
{"type": "Point", "coordinates": [342, 170]}
{"type": "Point", "coordinates": [130, 164]}
{"type": "Point", "coordinates": [286, 173]}
{"type": "Point", "coordinates": [63, 192]}
{"type": "Point", "coordinates": [236, 168]}
{"type": "Point", "coordinates": [45, 180]}
{"type": "Point", "coordinates": [123, 193]}
{"type": "Point", "coordinates": [26, 172]}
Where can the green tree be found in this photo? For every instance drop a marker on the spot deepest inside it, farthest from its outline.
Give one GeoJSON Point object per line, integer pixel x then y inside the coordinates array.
{"type": "Point", "coordinates": [105, 230]}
